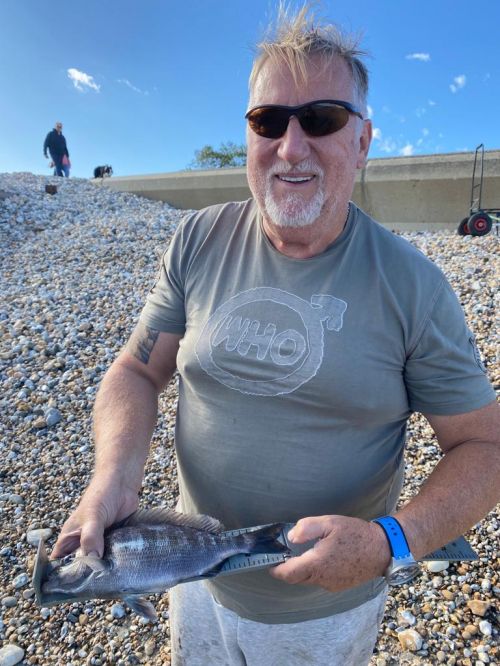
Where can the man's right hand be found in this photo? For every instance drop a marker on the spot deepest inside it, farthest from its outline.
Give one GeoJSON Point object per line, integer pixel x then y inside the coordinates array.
{"type": "Point", "coordinates": [102, 504]}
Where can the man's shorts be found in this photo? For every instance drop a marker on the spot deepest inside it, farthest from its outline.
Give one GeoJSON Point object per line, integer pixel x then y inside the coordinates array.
{"type": "Point", "coordinates": [204, 633]}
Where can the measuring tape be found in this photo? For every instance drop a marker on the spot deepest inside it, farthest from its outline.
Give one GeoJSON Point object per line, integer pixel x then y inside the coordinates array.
{"type": "Point", "coordinates": [457, 550]}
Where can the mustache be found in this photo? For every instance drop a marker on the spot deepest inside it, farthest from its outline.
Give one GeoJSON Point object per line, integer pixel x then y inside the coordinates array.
{"type": "Point", "coordinates": [281, 167]}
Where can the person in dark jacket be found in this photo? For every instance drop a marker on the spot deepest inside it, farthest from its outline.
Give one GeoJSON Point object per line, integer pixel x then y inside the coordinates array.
{"type": "Point", "coordinates": [55, 143]}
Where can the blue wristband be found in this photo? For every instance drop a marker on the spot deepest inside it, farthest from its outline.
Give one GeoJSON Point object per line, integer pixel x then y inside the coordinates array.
{"type": "Point", "coordinates": [395, 536]}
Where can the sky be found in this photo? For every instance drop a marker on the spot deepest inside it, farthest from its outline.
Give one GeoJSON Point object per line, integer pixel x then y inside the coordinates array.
{"type": "Point", "coordinates": [141, 85]}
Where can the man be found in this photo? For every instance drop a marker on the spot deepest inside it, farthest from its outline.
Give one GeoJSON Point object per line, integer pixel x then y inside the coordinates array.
{"type": "Point", "coordinates": [304, 335]}
{"type": "Point", "coordinates": [55, 143]}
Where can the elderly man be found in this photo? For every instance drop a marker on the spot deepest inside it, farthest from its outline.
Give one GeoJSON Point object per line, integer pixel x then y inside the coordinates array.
{"type": "Point", "coordinates": [55, 143]}
{"type": "Point", "coordinates": [304, 335]}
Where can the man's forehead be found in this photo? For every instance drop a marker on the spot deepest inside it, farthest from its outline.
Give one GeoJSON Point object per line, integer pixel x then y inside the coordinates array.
{"type": "Point", "coordinates": [326, 78]}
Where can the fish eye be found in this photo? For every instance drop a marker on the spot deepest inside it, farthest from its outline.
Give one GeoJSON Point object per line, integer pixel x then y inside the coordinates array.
{"type": "Point", "coordinates": [67, 559]}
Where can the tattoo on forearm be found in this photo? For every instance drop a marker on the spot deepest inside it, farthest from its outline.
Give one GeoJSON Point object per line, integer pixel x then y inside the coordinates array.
{"type": "Point", "coordinates": [142, 341]}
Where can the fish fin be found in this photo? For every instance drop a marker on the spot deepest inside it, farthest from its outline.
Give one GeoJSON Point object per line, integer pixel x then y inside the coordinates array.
{"type": "Point", "coordinates": [75, 570]}
{"type": "Point", "coordinates": [141, 606]}
{"type": "Point", "coordinates": [78, 568]}
{"type": "Point", "coordinates": [265, 540]}
{"type": "Point", "coordinates": [94, 563]}
{"type": "Point", "coordinates": [163, 515]}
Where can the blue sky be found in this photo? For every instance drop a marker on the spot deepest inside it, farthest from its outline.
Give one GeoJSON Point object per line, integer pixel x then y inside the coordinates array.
{"type": "Point", "coordinates": [142, 85]}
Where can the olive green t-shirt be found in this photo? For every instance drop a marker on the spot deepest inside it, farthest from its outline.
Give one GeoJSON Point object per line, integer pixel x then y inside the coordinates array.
{"type": "Point", "coordinates": [296, 379]}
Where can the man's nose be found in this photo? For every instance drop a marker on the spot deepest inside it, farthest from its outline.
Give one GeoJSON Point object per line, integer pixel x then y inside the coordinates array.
{"type": "Point", "coordinates": [294, 144]}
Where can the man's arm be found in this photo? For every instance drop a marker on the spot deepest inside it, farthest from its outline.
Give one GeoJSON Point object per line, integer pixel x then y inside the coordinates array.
{"type": "Point", "coordinates": [464, 485]}
{"type": "Point", "coordinates": [459, 492]}
{"type": "Point", "coordinates": [125, 414]}
{"type": "Point", "coordinates": [46, 144]}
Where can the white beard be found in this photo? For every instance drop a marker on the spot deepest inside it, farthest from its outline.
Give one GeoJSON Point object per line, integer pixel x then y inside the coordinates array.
{"type": "Point", "coordinates": [292, 210]}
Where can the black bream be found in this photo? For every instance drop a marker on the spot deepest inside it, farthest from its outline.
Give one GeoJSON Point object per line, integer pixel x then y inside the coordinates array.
{"type": "Point", "coordinates": [149, 552]}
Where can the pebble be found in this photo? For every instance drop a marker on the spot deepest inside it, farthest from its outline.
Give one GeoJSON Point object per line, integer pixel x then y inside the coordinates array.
{"type": "Point", "coordinates": [117, 611]}
{"type": "Point", "coordinates": [407, 618]}
{"type": "Point", "coordinates": [149, 647]}
{"type": "Point", "coordinates": [21, 580]}
{"type": "Point", "coordinates": [11, 654]}
{"type": "Point", "coordinates": [33, 537]}
{"type": "Point", "coordinates": [16, 499]}
{"type": "Point", "coordinates": [9, 602]}
{"type": "Point", "coordinates": [52, 416]}
{"type": "Point", "coordinates": [410, 640]}
{"type": "Point", "coordinates": [486, 585]}
{"type": "Point", "coordinates": [435, 566]}
{"type": "Point", "coordinates": [485, 627]}
{"type": "Point", "coordinates": [479, 607]}
{"type": "Point", "coordinates": [75, 269]}
{"type": "Point", "coordinates": [437, 581]}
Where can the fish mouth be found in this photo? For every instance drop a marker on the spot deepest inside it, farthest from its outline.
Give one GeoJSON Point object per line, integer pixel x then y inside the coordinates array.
{"type": "Point", "coordinates": [43, 570]}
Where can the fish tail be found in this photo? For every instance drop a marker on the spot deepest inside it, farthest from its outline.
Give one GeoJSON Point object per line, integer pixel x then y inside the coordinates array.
{"type": "Point", "coordinates": [265, 540]}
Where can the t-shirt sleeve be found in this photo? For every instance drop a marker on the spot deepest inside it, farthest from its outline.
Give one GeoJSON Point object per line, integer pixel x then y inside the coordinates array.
{"type": "Point", "coordinates": [164, 308]}
{"type": "Point", "coordinates": [444, 374]}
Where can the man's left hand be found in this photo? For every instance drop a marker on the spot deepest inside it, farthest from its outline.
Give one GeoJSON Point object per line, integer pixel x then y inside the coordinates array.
{"type": "Point", "coordinates": [350, 551]}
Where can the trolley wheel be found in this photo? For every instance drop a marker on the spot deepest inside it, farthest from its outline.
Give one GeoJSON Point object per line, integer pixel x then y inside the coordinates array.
{"type": "Point", "coordinates": [463, 229]}
{"type": "Point", "coordinates": [479, 224]}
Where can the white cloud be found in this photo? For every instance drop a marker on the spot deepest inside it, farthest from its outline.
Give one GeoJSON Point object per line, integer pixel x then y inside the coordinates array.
{"type": "Point", "coordinates": [388, 145]}
{"type": "Point", "coordinates": [377, 133]}
{"type": "Point", "coordinates": [82, 81]}
{"type": "Point", "coordinates": [431, 102]}
{"type": "Point", "coordinates": [458, 83]}
{"type": "Point", "coordinates": [369, 110]}
{"type": "Point", "coordinates": [420, 111]}
{"type": "Point", "coordinates": [127, 83]}
{"type": "Point", "coordinates": [425, 131]}
{"type": "Point", "coordinates": [407, 150]}
{"type": "Point", "coordinates": [423, 57]}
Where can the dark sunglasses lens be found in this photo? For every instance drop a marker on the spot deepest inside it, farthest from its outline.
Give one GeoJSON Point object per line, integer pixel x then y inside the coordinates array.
{"type": "Point", "coordinates": [320, 120]}
{"type": "Point", "coordinates": [270, 123]}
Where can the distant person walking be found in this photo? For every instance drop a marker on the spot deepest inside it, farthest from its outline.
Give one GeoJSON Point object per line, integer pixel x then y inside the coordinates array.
{"type": "Point", "coordinates": [55, 143]}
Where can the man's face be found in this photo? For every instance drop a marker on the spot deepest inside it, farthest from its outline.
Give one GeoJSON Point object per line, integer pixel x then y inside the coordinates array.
{"type": "Point", "coordinates": [59, 127]}
{"type": "Point", "coordinates": [298, 179]}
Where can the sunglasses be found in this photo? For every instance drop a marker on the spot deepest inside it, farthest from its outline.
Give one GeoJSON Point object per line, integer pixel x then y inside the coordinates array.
{"type": "Point", "coordinates": [318, 118]}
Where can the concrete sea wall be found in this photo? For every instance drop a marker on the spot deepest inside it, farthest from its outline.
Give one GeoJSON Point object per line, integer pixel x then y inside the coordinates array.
{"type": "Point", "coordinates": [404, 193]}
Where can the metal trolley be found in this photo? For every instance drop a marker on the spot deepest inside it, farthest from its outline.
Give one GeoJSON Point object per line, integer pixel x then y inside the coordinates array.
{"type": "Point", "coordinates": [479, 221]}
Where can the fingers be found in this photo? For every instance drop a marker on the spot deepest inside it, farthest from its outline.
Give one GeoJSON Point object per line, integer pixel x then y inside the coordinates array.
{"type": "Point", "coordinates": [88, 537]}
{"type": "Point", "coordinates": [307, 529]}
{"type": "Point", "coordinates": [84, 529]}
{"type": "Point", "coordinates": [66, 543]}
{"type": "Point", "coordinates": [102, 504]}
{"type": "Point", "coordinates": [297, 569]}
{"type": "Point", "coordinates": [92, 537]}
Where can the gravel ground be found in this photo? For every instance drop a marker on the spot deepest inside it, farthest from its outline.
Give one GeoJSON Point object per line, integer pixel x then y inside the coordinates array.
{"type": "Point", "coordinates": [66, 311]}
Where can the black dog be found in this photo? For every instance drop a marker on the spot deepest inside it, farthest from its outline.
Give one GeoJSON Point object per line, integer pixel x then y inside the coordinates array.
{"type": "Point", "coordinates": [102, 171]}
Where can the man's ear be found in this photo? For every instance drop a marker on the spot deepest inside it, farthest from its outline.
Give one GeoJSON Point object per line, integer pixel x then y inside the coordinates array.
{"type": "Point", "coordinates": [365, 139]}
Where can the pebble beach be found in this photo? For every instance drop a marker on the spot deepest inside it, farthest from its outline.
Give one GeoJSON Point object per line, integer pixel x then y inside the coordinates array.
{"type": "Point", "coordinates": [75, 268]}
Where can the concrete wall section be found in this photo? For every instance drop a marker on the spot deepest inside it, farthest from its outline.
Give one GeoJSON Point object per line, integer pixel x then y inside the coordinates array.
{"type": "Point", "coordinates": [186, 189]}
{"type": "Point", "coordinates": [404, 193]}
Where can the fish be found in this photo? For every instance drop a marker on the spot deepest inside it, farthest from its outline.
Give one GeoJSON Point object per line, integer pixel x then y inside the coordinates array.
{"type": "Point", "coordinates": [147, 553]}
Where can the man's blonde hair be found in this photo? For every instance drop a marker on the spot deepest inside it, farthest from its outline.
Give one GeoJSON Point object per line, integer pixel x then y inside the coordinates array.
{"type": "Point", "coordinates": [295, 38]}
